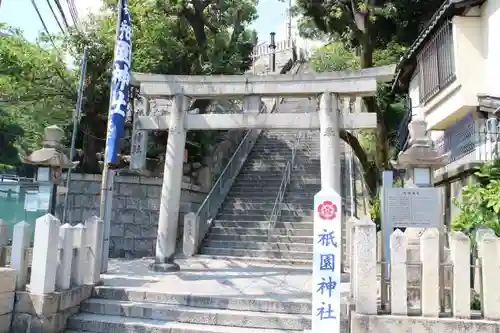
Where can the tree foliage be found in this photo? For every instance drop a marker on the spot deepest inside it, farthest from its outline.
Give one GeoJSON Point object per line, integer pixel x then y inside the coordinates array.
{"type": "Point", "coordinates": [480, 201]}
{"type": "Point", "coordinates": [36, 90]}
{"type": "Point", "coordinates": [365, 34]}
{"type": "Point", "coordinates": [170, 37]}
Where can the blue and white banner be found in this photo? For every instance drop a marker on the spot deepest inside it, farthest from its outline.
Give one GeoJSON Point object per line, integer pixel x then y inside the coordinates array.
{"type": "Point", "coordinates": [120, 84]}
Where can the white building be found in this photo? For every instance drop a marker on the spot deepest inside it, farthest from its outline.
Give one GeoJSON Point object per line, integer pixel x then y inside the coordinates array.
{"type": "Point", "coordinates": [451, 74]}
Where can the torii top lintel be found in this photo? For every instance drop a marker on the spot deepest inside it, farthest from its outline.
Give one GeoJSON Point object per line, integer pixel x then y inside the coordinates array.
{"type": "Point", "coordinates": [352, 82]}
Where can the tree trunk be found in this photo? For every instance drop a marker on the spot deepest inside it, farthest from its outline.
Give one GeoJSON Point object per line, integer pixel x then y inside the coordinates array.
{"type": "Point", "coordinates": [370, 173]}
{"type": "Point", "coordinates": [91, 146]}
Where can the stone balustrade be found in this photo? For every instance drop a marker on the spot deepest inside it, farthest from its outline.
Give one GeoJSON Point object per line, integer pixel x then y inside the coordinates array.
{"type": "Point", "coordinates": [49, 278]}
{"type": "Point", "coordinates": [441, 303]}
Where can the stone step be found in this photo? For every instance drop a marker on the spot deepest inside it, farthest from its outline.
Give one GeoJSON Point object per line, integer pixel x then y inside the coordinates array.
{"type": "Point", "coordinates": [196, 315]}
{"type": "Point", "coordinates": [260, 246]}
{"type": "Point", "coordinates": [242, 206]}
{"type": "Point", "coordinates": [110, 324]}
{"type": "Point", "coordinates": [222, 218]}
{"type": "Point", "coordinates": [299, 165]}
{"type": "Point", "coordinates": [297, 263]}
{"type": "Point", "coordinates": [267, 195]}
{"type": "Point", "coordinates": [236, 303]}
{"type": "Point", "coordinates": [261, 231]}
{"type": "Point", "coordinates": [225, 251]}
{"type": "Point", "coordinates": [213, 236]}
{"type": "Point", "coordinates": [285, 211]}
{"type": "Point", "coordinates": [295, 181]}
{"type": "Point", "coordinates": [263, 224]}
{"type": "Point", "coordinates": [262, 187]}
{"type": "Point", "coordinates": [252, 175]}
{"type": "Point", "coordinates": [273, 168]}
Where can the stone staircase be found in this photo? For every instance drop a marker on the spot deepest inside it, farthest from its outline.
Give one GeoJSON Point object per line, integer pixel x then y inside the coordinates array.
{"type": "Point", "coordinates": [126, 310]}
{"type": "Point", "coordinates": [240, 229]}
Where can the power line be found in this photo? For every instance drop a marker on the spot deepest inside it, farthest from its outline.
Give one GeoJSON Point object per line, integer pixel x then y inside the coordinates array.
{"type": "Point", "coordinates": [63, 15]}
{"type": "Point", "coordinates": [55, 16]}
{"type": "Point", "coordinates": [61, 76]}
{"type": "Point", "coordinates": [73, 12]}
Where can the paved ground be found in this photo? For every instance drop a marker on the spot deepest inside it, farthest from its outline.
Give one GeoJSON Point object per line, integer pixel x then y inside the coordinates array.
{"type": "Point", "coordinates": [215, 277]}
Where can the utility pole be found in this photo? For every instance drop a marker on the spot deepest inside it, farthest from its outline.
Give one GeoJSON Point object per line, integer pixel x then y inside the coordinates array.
{"type": "Point", "coordinates": [76, 122]}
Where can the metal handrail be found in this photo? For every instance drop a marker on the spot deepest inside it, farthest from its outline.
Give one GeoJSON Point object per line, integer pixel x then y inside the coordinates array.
{"type": "Point", "coordinates": [217, 194]}
{"type": "Point", "coordinates": [285, 180]}
{"type": "Point", "coordinates": [212, 202]}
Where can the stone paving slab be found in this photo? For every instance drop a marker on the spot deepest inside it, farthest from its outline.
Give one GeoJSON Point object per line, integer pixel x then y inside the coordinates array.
{"type": "Point", "coordinates": [215, 277]}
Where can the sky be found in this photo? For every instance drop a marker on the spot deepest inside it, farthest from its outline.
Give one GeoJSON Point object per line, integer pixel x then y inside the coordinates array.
{"type": "Point", "coordinates": [21, 14]}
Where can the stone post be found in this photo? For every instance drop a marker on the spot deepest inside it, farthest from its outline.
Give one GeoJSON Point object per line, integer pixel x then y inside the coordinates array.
{"type": "Point", "coordinates": [488, 252]}
{"type": "Point", "coordinates": [251, 103]}
{"type": "Point", "coordinates": [460, 250]}
{"type": "Point", "coordinates": [139, 146]}
{"type": "Point", "coordinates": [44, 262]}
{"type": "Point", "coordinates": [191, 232]}
{"type": "Point", "coordinates": [399, 278]}
{"type": "Point", "coordinates": [171, 188]}
{"type": "Point", "coordinates": [93, 238]}
{"type": "Point", "coordinates": [20, 242]}
{"type": "Point", "coordinates": [429, 249]}
{"type": "Point", "coordinates": [351, 222]}
{"type": "Point", "coordinates": [329, 142]}
{"type": "Point", "coordinates": [479, 234]}
{"type": "Point", "coordinates": [365, 268]}
{"type": "Point", "coordinates": [4, 240]}
{"type": "Point", "coordinates": [81, 255]}
{"type": "Point", "coordinates": [66, 242]}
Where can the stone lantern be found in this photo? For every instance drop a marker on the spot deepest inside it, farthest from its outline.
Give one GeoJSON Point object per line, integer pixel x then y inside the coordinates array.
{"type": "Point", "coordinates": [420, 159]}
{"type": "Point", "coordinates": [50, 161]}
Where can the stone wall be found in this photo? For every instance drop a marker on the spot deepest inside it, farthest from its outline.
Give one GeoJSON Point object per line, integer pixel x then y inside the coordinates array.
{"type": "Point", "coordinates": [136, 203]}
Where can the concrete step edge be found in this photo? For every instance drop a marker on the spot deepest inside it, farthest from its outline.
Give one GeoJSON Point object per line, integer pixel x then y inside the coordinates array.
{"type": "Point", "coordinates": [255, 250]}
{"type": "Point", "coordinates": [276, 261]}
{"type": "Point", "coordinates": [122, 324]}
{"type": "Point", "coordinates": [195, 310]}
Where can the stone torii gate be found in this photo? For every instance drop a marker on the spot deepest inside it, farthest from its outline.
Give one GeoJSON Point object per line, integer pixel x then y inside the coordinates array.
{"type": "Point", "coordinates": [251, 89]}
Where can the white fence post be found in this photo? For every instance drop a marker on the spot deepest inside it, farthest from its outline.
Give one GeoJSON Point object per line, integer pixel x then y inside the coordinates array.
{"type": "Point", "coordinates": [480, 233]}
{"type": "Point", "coordinates": [20, 242]}
{"type": "Point", "coordinates": [94, 234]}
{"type": "Point", "coordinates": [399, 278]}
{"type": "Point", "coordinates": [44, 262]}
{"type": "Point", "coordinates": [365, 267]}
{"type": "Point", "coordinates": [488, 251]}
{"type": "Point", "coordinates": [429, 255]}
{"type": "Point", "coordinates": [79, 265]}
{"type": "Point", "coordinates": [460, 251]}
{"type": "Point", "coordinates": [66, 234]}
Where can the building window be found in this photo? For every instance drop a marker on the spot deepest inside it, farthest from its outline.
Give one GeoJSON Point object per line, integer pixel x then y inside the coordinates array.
{"type": "Point", "coordinates": [436, 63]}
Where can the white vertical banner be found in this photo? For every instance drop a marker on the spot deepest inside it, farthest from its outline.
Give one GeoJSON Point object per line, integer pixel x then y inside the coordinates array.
{"type": "Point", "coordinates": [327, 256]}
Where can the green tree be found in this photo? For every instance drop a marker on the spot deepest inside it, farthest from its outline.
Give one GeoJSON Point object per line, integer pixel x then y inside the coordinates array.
{"type": "Point", "coordinates": [372, 33]}
{"type": "Point", "coordinates": [36, 90]}
{"type": "Point", "coordinates": [170, 37]}
{"type": "Point", "coordinates": [479, 203]}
